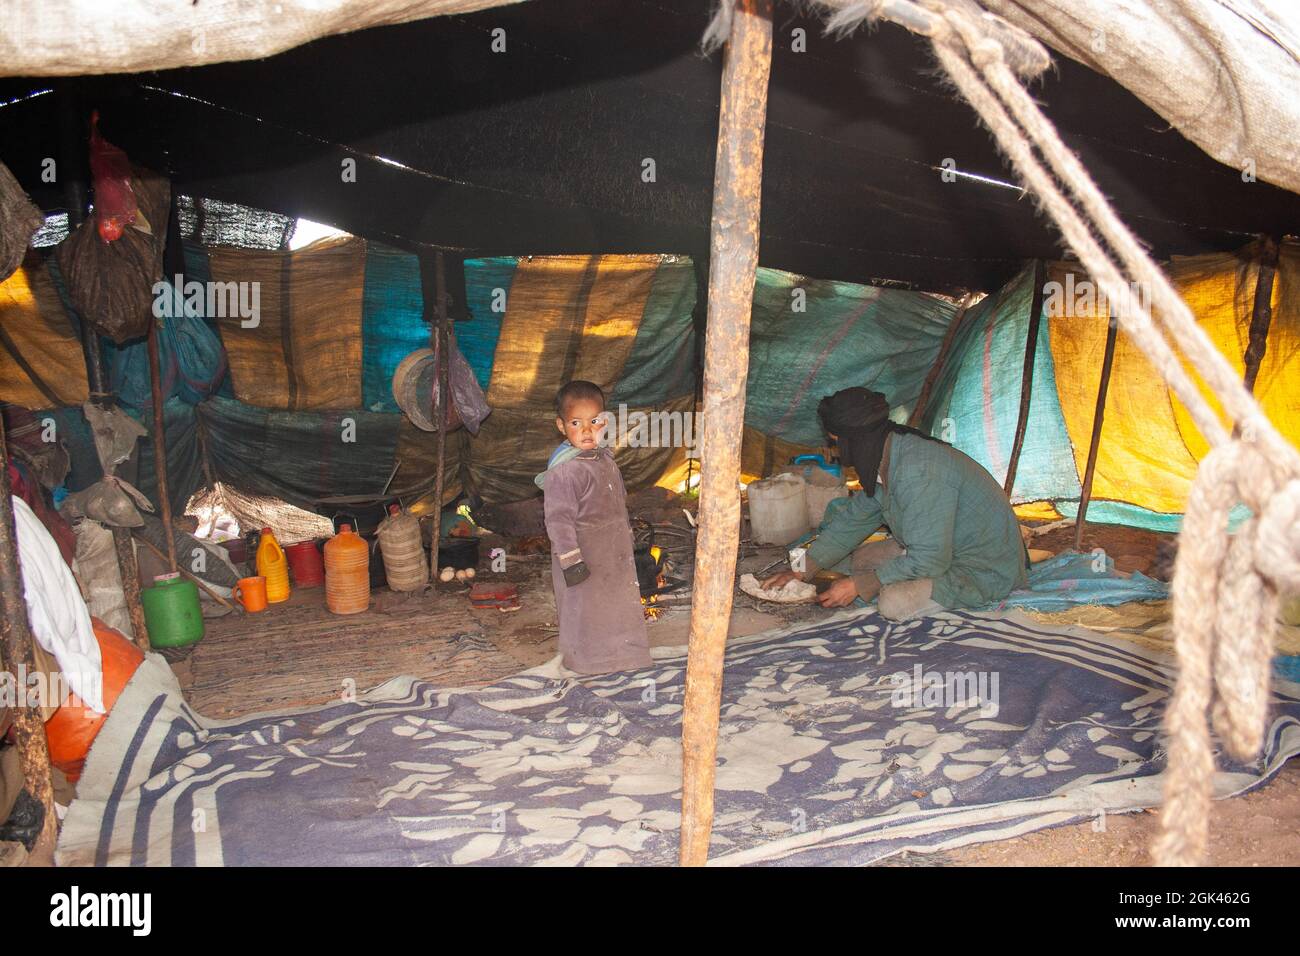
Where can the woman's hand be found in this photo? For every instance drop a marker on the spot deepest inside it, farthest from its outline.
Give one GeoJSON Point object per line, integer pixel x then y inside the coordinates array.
{"type": "Point", "coordinates": [840, 594]}
{"type": "Point", "coordinates": [779, 580]}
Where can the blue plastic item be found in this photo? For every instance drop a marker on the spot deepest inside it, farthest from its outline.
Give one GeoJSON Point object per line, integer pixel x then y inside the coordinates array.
{"type": "Point", "coordinates": [820, 462]}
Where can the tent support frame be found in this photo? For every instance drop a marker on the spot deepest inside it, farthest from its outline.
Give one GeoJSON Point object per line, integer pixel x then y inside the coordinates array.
{"type": "Point", "coordinates": [1094, 444]}
{"type": "Point", "coordinates": [435, 309]}
{"type": "Point", "coordinates": [1261, 315]}
{"type": "Point", "coordinates": [914, 420]}
{"type": "Point", "coordinates": [1027, 376]}
{"type": "Point", "coordinates": [72, 135]}
{"type": "Point", "coordinates": [174, 256]}
{"type": "Point", "coordinates": [733, 261]}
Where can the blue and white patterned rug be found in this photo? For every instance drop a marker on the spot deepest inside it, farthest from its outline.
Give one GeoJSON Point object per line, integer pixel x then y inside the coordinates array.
{"type": "Point", "coordinates": [842, 742]}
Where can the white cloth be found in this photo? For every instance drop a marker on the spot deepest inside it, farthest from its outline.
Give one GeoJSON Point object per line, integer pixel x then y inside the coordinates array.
{"type": "Point", "coordinates": [59, 619]}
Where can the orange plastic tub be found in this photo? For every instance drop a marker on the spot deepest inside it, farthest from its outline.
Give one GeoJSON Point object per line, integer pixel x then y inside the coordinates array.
{"type": "Point", "coordinates": [73, 727]}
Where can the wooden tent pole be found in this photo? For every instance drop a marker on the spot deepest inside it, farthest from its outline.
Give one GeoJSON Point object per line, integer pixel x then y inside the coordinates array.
{"type": "Point", "coordinates": [17, 658]}
{"type": "Point", "coordinates": [1027, 375]}
{"type": "Point", "coordinates": [440, 407]}
{"type": "Point", "coordinates": [174, 267]}
{"type": "Point", "coordinates": [1261, 316]}
{"type": "Point", "coordinates": [160, 444]}
{"type": "Point", "coordinates": [72, 142]}
{"type": "Point", "coordinates": [1094, 444]}
{"type": "Point", "coordinates": [914, 419]}
{"type": "Point", "coordinates": [733, 260]}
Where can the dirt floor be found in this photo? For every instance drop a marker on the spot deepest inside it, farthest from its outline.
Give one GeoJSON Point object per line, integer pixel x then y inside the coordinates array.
{"type": "Point", "coordinates": [298, 654]}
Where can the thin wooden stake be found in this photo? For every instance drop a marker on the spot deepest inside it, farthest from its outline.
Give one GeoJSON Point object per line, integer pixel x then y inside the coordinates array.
{"type": "Point", "coordinates": [160, 444]}
{"type": "Point", "coordinates": [733, 260]}
{"type": "Point", "coordinates": [72, 129]}
{"type": "Point", "coordinates": [1027, 375]}
{"type": "Point", "coordinates": [233, 605]}
{"type": "Point", "coordinates": [1098, 416]}
{"type": "Point", "coordinates": [936, 369]}
{"type": "Point", "coordinates": [1261, 315]}
{"type": "Point", "coordinates": [435, 307]}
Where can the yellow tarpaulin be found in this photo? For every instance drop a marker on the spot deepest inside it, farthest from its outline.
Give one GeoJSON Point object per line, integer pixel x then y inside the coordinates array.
{"type": "Point", "coordinates": [41, 361]}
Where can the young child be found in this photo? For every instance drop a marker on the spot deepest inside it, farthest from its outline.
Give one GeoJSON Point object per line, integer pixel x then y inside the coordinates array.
{"type": "Point", "coordinates": [602, 624]}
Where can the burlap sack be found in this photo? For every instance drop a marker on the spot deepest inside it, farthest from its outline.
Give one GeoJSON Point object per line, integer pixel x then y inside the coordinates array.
{"type": "Point", "coordinates": [19, 219]}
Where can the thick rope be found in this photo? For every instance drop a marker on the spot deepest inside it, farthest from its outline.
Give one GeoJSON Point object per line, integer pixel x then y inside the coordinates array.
{"type": "Point", "coordinates": [1226, 591]}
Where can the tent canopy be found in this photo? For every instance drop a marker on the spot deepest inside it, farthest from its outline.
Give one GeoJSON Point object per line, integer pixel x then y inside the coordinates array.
{"type": "Point", "coordinates": [543, 148]}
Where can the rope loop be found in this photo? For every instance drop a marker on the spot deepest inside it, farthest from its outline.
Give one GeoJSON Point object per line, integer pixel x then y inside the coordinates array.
{"type": "Point", "coordinates": [1277, 538]}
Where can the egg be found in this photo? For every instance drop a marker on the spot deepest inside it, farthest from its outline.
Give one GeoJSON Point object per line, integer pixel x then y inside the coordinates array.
{"type": "Point", "coordinates": [446, 574]}
{"type": "Point", "coordinates": [469, 573]}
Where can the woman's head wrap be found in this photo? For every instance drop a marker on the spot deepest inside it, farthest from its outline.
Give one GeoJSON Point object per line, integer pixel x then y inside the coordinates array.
{"type": "Point", "coordinates": [859, 418]}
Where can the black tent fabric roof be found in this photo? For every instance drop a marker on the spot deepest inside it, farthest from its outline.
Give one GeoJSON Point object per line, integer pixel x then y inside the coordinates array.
{"type": "Point", "coordinates": [540, 149]}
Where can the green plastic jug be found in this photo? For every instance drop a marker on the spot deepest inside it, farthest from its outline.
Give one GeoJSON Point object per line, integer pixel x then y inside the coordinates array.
{"type": "Point", "coordinates": [171, 611]}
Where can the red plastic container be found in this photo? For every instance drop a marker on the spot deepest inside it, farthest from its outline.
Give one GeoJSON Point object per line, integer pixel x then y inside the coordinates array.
{"type": "Point", "coordinates": [306, 564]}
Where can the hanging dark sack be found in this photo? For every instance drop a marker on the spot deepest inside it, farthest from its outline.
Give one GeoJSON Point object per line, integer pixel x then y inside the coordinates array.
{"type": "Point", "coordinates": [19, 219]}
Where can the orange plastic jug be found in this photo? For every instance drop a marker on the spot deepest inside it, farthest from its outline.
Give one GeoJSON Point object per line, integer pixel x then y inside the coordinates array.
{"type": "Point", "coordinates": [347, 573]}
{"type": "Point", "coordinates": [274, 566]}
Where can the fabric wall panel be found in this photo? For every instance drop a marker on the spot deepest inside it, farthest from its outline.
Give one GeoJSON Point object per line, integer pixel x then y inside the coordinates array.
{"type": "Point", "coordinates": [299, 456]}
{"type": "Point", "coordinates": [306, 351]}
{"type": "Point", "coordinates": [41, 361]}
{"type": "Point", "coordinates": [663, 357]}
{"type": "Point", "coordinates": [487, 296]}
{"type": "Point", "coordinates": [976, 401]}
{"type": "Point", "coordinates": [846, 335]}
{"type": "Point", "coordinates": [1142, 458]}
{"type": "Point", "coordinates": [393, 324]}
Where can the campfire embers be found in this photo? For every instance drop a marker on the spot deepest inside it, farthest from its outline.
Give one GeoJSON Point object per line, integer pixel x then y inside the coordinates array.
{"type": "Point", "coordinates": [654, 571]}
{"type": "Point", "coordinates": [652, 576]}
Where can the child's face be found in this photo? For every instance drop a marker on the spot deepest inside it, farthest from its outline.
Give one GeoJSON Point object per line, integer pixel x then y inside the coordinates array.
{"type": "Point", "coordinates": [583, 423]}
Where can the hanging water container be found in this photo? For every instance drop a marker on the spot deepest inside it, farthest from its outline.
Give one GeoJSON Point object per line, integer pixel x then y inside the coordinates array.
{"type": "Point", "coordinates": [171, 611]}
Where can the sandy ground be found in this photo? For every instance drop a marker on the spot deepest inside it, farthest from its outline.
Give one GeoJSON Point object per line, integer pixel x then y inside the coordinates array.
{"type": "Point", "coordinates": [1261, 828]}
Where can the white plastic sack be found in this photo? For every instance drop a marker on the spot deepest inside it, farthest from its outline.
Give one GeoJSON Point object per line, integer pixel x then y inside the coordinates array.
{"type": "Point", "coordinates": [59, 618]}
{"type": "Point", "coordinates": [101, 579]}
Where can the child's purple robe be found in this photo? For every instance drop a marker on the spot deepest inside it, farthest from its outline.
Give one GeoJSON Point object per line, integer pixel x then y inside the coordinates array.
{"type": "Point", "coordinates": [602, 624]}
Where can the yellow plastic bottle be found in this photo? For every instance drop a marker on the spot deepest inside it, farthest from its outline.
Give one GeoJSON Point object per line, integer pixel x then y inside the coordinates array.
{"type": "Point", "coordinates": [274, 566]}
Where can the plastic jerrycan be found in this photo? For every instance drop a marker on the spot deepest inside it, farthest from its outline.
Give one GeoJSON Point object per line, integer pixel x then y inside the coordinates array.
{"type": "Point", "coordinates": [171, 611]}
{"type": "Point", "coordinates": [274, 566]}
{"type": "Point", "coordinates": [347, 572]}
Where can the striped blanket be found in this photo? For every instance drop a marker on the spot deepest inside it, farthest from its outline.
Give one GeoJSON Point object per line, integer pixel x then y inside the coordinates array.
{"type": "Point", "coordinates": [842, 742]}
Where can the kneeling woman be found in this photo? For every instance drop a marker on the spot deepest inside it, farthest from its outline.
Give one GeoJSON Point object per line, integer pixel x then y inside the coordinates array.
{"type": "Point", "coordinates": [955, 541]}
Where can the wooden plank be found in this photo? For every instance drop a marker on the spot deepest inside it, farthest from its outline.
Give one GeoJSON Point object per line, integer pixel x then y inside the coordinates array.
{"type": "Point", "coordinates": [733, 261]}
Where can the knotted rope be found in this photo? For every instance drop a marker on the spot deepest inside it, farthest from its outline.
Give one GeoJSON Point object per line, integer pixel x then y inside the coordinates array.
{"type": "Point", "coordinates": [1226, 588]}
